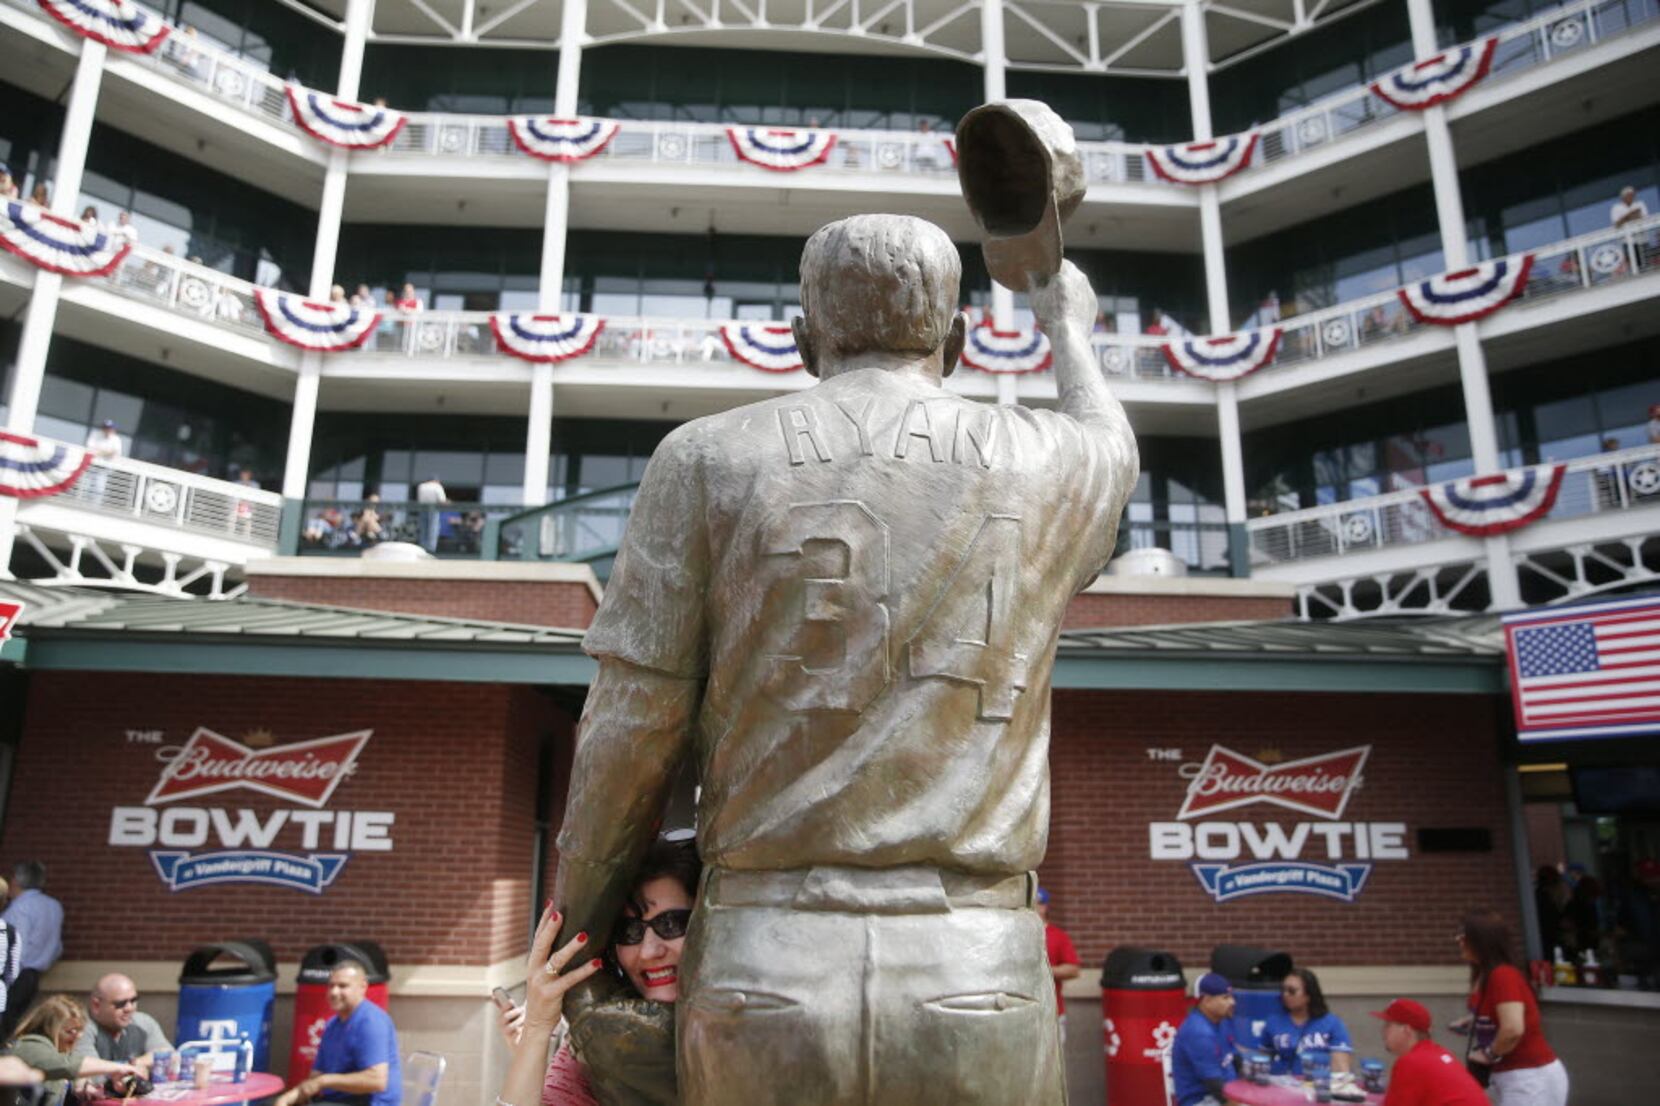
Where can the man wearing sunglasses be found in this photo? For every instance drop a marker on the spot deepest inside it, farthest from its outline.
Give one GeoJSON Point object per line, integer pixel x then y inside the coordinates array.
{"type": "Point", "coordinates": [118, 1029]}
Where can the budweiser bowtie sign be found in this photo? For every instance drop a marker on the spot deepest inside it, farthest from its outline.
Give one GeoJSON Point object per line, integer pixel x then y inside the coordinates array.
{"type": "Point", "coordinates": [1325, 856]}
{"type": "Point", "coordinates": [248, 845]}
{"type": "Point", "coordinates": [8, 616]}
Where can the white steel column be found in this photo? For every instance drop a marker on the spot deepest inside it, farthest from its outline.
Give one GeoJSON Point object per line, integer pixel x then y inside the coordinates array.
{"type": "Point", "coordinates": [42, 311]}
{"type": "Point", "coordinates": [1196, 60]}
{"type": "Point", "coordinates": [29, 372]}
{"type": "Point", "coordinates": [330, 206]}
{"type": "Point", "coordinates": [573, 27]}
{"type": "Point", "coordinates": [994, 68]}
{"type": "Point", "coordinates": [1472, 359]}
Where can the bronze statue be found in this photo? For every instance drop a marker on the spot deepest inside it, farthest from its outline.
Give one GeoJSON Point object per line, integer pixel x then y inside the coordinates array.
{"type": "Point", "coordinates": [844, 604]}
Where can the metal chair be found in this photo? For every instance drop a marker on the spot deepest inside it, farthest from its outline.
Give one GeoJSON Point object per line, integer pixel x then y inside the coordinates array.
{"type": "Point", "coordinates": [422, 1072]}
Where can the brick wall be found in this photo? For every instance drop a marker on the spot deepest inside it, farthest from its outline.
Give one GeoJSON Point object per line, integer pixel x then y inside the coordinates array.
{"type": "Point", "coordinates": [1434, 762]}
{"type": "Point", "coordinates": [456, 763]}
{"type": "Point", "coordinates": [566, 605]}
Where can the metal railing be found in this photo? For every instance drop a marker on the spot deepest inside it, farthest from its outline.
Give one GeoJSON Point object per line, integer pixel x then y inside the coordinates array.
{"type": "Point", "coordinates": [1587, 261]}
{"type": "Point", "coordinates": [678, 342]}
{"type": "Point", "coordinates": [1521, 47]}
{"type": "Point", "coordinates": [245, 84]}
{"type": "Point", "coordinates": [218, 72]}
{"type": "Point", "coordinates": [1592, 485]}
{"type": "Point", "coordinates": [162, 279]}
{"type": "Point", "coordinates": [346, 527]}
{"type": "Point", "coordinates": [176, 499]}
{"type": "Point", "coordinates": [707, 145]}
{"type": "Point", "coordinates": [177, 284]}
{"type": "Point", "coordinates": [585, 527]}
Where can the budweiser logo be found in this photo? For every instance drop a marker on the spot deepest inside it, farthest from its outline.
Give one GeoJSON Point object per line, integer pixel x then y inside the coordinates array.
{"type": "Point", "coordinates": [306, 772]}
{"type": "Point", "coordinates": [8, 615]}
{"type": "Point", "coordinates": [1314, 785]}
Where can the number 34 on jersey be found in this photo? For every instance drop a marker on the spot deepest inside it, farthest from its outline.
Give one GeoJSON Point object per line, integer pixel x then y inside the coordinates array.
{"type": "Point", "coordinates": [841, 653]}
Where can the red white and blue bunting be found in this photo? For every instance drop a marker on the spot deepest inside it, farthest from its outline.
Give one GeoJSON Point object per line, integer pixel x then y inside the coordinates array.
{"type": "Point", "coordinates": [1485, 505]}
{"type": "Point", "coordinates": [768, 348]}
{"type": "Point", "coordinates": [1448, 299]}
{"type": "Point", "coordinates": [1007, 351]}
{"type": "Point", "coordinates": [1449, 74]}
{"type": "Point", "coordinates": [31, 468]}
{"type": "Point", "coordinates": [59, 245]}
{"type": "Point", "coordinates": [344, 123]}
{"type": "Point", "coordinates": [319, 327]}
{"type": "Point", "coordinates": [118, 24]}
{"type": "Point", "coordinates": [565, 140]}
{"type": "Point", "coordinates": [1203, 162]}
{"type": "Point", "coordinates": [1228, 357]}
{"type": "Point", "coordinates": [782, 150]}
{"type": "Point", "coordinates": [545, 338]}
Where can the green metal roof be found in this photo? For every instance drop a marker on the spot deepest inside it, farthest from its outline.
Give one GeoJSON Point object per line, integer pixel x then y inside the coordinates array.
{"type": "Point", "coordinates": [90, 630]}
{"type": "Point", "coordinates": [84, 629]}
{"type": "Point", "coordinates": [1431, 655]}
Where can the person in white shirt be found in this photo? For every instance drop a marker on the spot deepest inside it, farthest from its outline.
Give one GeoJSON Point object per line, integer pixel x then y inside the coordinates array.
{"type": "Point", "coordinates": [124, 227]}
{"type": "Point", "coordinates": [104, 443]}
{"type": "Point", "coordinates": [1627, 209]}
{"type": "Point", "coordinates": [105, 446]}
{"type": "Point", "coordinates": [431, 495]}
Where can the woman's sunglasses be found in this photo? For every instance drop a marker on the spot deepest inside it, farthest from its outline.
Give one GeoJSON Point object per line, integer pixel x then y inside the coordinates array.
{"type": "Point", "coordinates": [668, 925]}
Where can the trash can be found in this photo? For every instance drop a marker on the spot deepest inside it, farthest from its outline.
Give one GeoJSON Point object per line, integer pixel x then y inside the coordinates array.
{"type": "Point", "coordinates": [311, 996]}
{"type": "Point", "coordinates": [1256, 975]}
{"type": "Point", "coordinates": [1143, 1001]}
{"type": "Point", "coordinates": [227, 991]}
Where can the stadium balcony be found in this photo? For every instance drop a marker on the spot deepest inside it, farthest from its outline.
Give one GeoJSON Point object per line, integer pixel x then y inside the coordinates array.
{"type": "Point", "coordinates": [195, 319]}
{"type": "Point", "coordinates": [1562, 69]}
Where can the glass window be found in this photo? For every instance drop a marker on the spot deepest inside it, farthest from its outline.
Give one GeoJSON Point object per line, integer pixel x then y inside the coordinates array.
{"type": "Point", "coordinates": [66, 399]}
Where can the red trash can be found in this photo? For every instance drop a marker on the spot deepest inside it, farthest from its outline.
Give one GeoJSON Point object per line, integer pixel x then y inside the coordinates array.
{"type": "Point", "coordinates": [1143, 1001]}
{"type": "Point", "coordinates": [311, 996]}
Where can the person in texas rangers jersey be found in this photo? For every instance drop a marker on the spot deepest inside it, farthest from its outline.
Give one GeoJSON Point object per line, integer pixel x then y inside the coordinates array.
{"type": "Point", "coordinates": [1305, 1024]}
{"type": "Point", "coordinates": [844, 604]}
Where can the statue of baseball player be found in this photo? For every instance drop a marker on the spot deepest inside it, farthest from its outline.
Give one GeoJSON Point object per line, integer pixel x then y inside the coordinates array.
{"type": "Point", "coordinates": [843, 604]}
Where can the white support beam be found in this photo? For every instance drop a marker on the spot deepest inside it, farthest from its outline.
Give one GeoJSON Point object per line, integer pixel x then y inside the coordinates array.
{"type": "Point", "coordinates": [29, 373]}
{"type": "Point", "coordinates": [1502, 581]}
{"type": "Point", "coordinates": [993, 60]}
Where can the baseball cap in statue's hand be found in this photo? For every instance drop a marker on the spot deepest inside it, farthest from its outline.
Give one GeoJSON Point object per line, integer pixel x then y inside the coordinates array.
{"type": "Point", "coordinates": [1021, 174]}
{"type": "Point", "coordinates": [1403, 1011]}
{"type": "Point", "coordinates": [1212, 983]}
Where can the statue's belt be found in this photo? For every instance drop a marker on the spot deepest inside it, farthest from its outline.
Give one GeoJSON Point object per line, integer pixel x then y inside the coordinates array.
{"type": "Point", "coordinates": [918, 889]}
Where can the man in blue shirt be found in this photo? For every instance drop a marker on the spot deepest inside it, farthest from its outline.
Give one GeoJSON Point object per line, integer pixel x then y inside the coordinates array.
{"type": "Point", "coordinates": [38, 919]}
{"type": "Point", "coordinates": [1201, 1058]}
{"type": "Point", "coordinates": [357, 1059]}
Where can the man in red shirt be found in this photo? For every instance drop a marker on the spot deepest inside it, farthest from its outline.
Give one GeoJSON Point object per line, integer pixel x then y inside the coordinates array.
{"type": "Point", "coordinates": [1063, 958]}
{"type": "Point", "coordinates": [1425, 1074]}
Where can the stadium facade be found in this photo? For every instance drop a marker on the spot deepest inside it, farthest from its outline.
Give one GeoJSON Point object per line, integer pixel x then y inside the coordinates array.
{"type": "Point", "coordinates": [1436, 400]}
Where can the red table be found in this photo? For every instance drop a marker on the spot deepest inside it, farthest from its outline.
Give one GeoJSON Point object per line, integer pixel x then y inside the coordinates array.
{"type": "Point", "coordinates": [1279, 1094]}
{"type": "Point", "coordinates": [259, 1084]}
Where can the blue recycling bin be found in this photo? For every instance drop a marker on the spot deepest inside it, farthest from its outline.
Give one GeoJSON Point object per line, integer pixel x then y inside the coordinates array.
{"type": "Point", "coordinates": [1256, 975]}
{"type": "Point", "coordinates": [227, 991]}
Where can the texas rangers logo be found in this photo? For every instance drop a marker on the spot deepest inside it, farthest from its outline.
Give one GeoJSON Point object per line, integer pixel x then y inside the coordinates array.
{"type": "Point", "coordinates": [1314, 785]}
{"type": "Point", "coordinates": [306, 772]}
{"type": "Point", "coordinates": [9, 614]}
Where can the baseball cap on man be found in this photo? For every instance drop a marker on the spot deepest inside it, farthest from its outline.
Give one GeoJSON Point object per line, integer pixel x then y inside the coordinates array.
{"type": "Point", "coordinates": [1403, 1011]}
{"type": "Point", "coordinates": [1212, 983]}
{"type": "Point", "coordinates": [1043, 895]}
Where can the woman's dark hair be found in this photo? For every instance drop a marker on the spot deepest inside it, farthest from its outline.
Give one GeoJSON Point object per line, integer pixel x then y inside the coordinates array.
{"type": "Point", "coordinates": [676, 860]}
{"type": "Point", "coordinates": [1488, 940]}
{"type": "Point", "coordinates": [1317, 1007]}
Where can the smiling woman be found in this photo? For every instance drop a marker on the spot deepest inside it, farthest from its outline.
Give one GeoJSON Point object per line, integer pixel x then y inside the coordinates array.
{"type": "Point", "coordinates": [646, 948]}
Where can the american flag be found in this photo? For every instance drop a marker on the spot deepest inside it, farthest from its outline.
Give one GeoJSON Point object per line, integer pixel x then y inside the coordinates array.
{"type": "Point", "coordinates": [1588, 671]}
